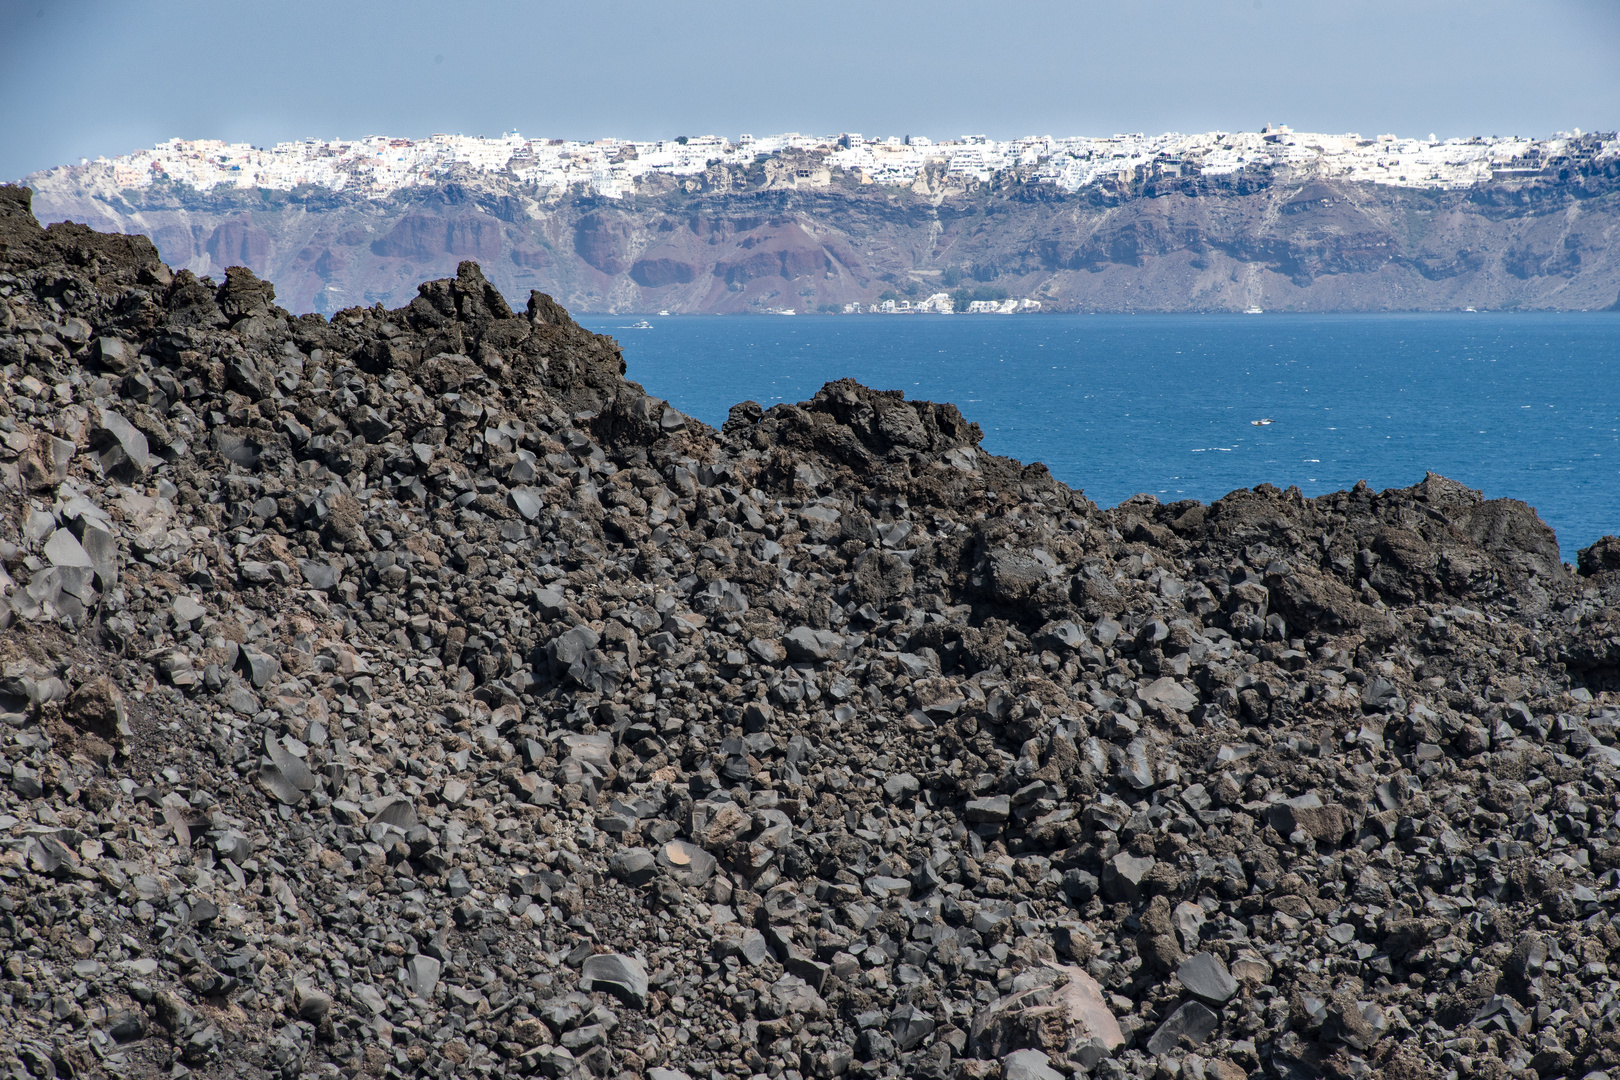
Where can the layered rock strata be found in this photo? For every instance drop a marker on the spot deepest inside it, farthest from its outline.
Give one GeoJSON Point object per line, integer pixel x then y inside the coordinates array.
{"type": "Point", "coordinates": [729, 243]}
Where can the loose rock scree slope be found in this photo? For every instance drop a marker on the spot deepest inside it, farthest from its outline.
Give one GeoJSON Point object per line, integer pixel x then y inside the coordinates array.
{"type": "Point", "coordinates": [408, 694]}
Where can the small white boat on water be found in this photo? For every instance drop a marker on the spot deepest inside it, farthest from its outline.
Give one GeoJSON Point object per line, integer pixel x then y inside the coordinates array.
{"type": "Point", "coordinates": [1253, 311]}
{"type": "Point", "coordinates": [1264, 421]}
{"type": "Point", "coordinates": [643, 324]}
{"type": "Point", "coordinates": [663, 313]}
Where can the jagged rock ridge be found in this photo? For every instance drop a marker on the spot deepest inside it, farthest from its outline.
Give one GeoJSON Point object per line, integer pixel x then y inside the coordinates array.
{"type": "Point", "coordinates": [407, 694]}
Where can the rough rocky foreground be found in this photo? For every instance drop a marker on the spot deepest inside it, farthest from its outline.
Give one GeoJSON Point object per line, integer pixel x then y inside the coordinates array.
{"type": "Point", "coordinates": [407, 694]}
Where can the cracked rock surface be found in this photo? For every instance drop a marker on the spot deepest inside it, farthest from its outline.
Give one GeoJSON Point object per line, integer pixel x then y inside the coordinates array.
{"type": "Point", "coordinates": [408, 694]}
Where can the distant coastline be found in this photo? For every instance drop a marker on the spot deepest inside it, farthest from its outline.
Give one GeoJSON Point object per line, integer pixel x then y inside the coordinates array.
{"type": "Point", "coordinates": [1612, 309]}
{"type": "Point", "coordinates": [1275, 220]}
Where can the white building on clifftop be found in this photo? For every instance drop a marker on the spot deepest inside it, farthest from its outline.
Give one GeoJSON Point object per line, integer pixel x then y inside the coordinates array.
{"type": "Point", "coordinates": [378, 166]}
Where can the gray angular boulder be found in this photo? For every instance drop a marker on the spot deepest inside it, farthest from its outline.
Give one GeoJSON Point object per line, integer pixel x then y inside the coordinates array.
{"type": "Point", "coordinates": [622, 976]}
{"type": "Point", "coordinates": [807, 646]}
{"type": "Point", "coordinates": [1028, 1065]}
{"type": "Point", "coordinates": [1167, 693]}
{"type": "Point", "coordinates": [1206, 978]}
{"type": "Point", "coordinates": [422, 975]}
{"type": "Point", "coordinates": [526, 501]}
{"type": "Point", "coordinates": [634, 866]}
{"type": "Point", "coordinates": [123, 447]}
{"type": "Point", "coordinates": [1186, 1028]}
{"type": "Point", "coordinates": [1122, 876]}
{"type": "Point", "coordinates": [989, 811]}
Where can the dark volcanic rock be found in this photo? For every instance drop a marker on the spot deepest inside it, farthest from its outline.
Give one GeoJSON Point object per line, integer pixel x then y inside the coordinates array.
{"type": "Point", "coordinates": [1205, 977]}
{"type": "Point", "coordinates": [1186, 1028]}
{"type": "Point", "coordinates": [405, 693]}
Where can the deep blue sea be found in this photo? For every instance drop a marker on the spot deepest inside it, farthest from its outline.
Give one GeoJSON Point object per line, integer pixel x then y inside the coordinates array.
{"type": "Point", "coordinates": [1525, 406]}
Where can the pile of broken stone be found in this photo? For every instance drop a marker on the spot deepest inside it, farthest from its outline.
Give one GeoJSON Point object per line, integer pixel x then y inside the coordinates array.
{"type": "Point", "coordinates": [407, 693]}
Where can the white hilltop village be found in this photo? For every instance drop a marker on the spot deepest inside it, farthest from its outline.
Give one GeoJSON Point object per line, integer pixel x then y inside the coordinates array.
{"type": "Point", "coordinates": [376, 167]}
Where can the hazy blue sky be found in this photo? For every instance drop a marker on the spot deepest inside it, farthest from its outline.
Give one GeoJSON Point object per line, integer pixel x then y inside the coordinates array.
{"type": "Point", "coordinates": [84, 77]}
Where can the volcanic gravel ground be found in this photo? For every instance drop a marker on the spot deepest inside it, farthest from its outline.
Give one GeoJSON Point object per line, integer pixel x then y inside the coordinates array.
{"type": "Point", "coordinates": [407, 694]}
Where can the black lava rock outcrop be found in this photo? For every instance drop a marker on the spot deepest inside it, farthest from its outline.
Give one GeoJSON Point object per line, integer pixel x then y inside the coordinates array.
{"type": "Point", "coordinates": [408, 694]}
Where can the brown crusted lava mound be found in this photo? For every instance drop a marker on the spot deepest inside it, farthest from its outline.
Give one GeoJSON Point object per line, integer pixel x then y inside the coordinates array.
{"type": "Point", "coordinates": [408, 694]}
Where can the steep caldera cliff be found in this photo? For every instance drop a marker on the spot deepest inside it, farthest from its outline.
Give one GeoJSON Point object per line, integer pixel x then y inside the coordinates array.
{"type": "Point", "coordinates": [734, 242]}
